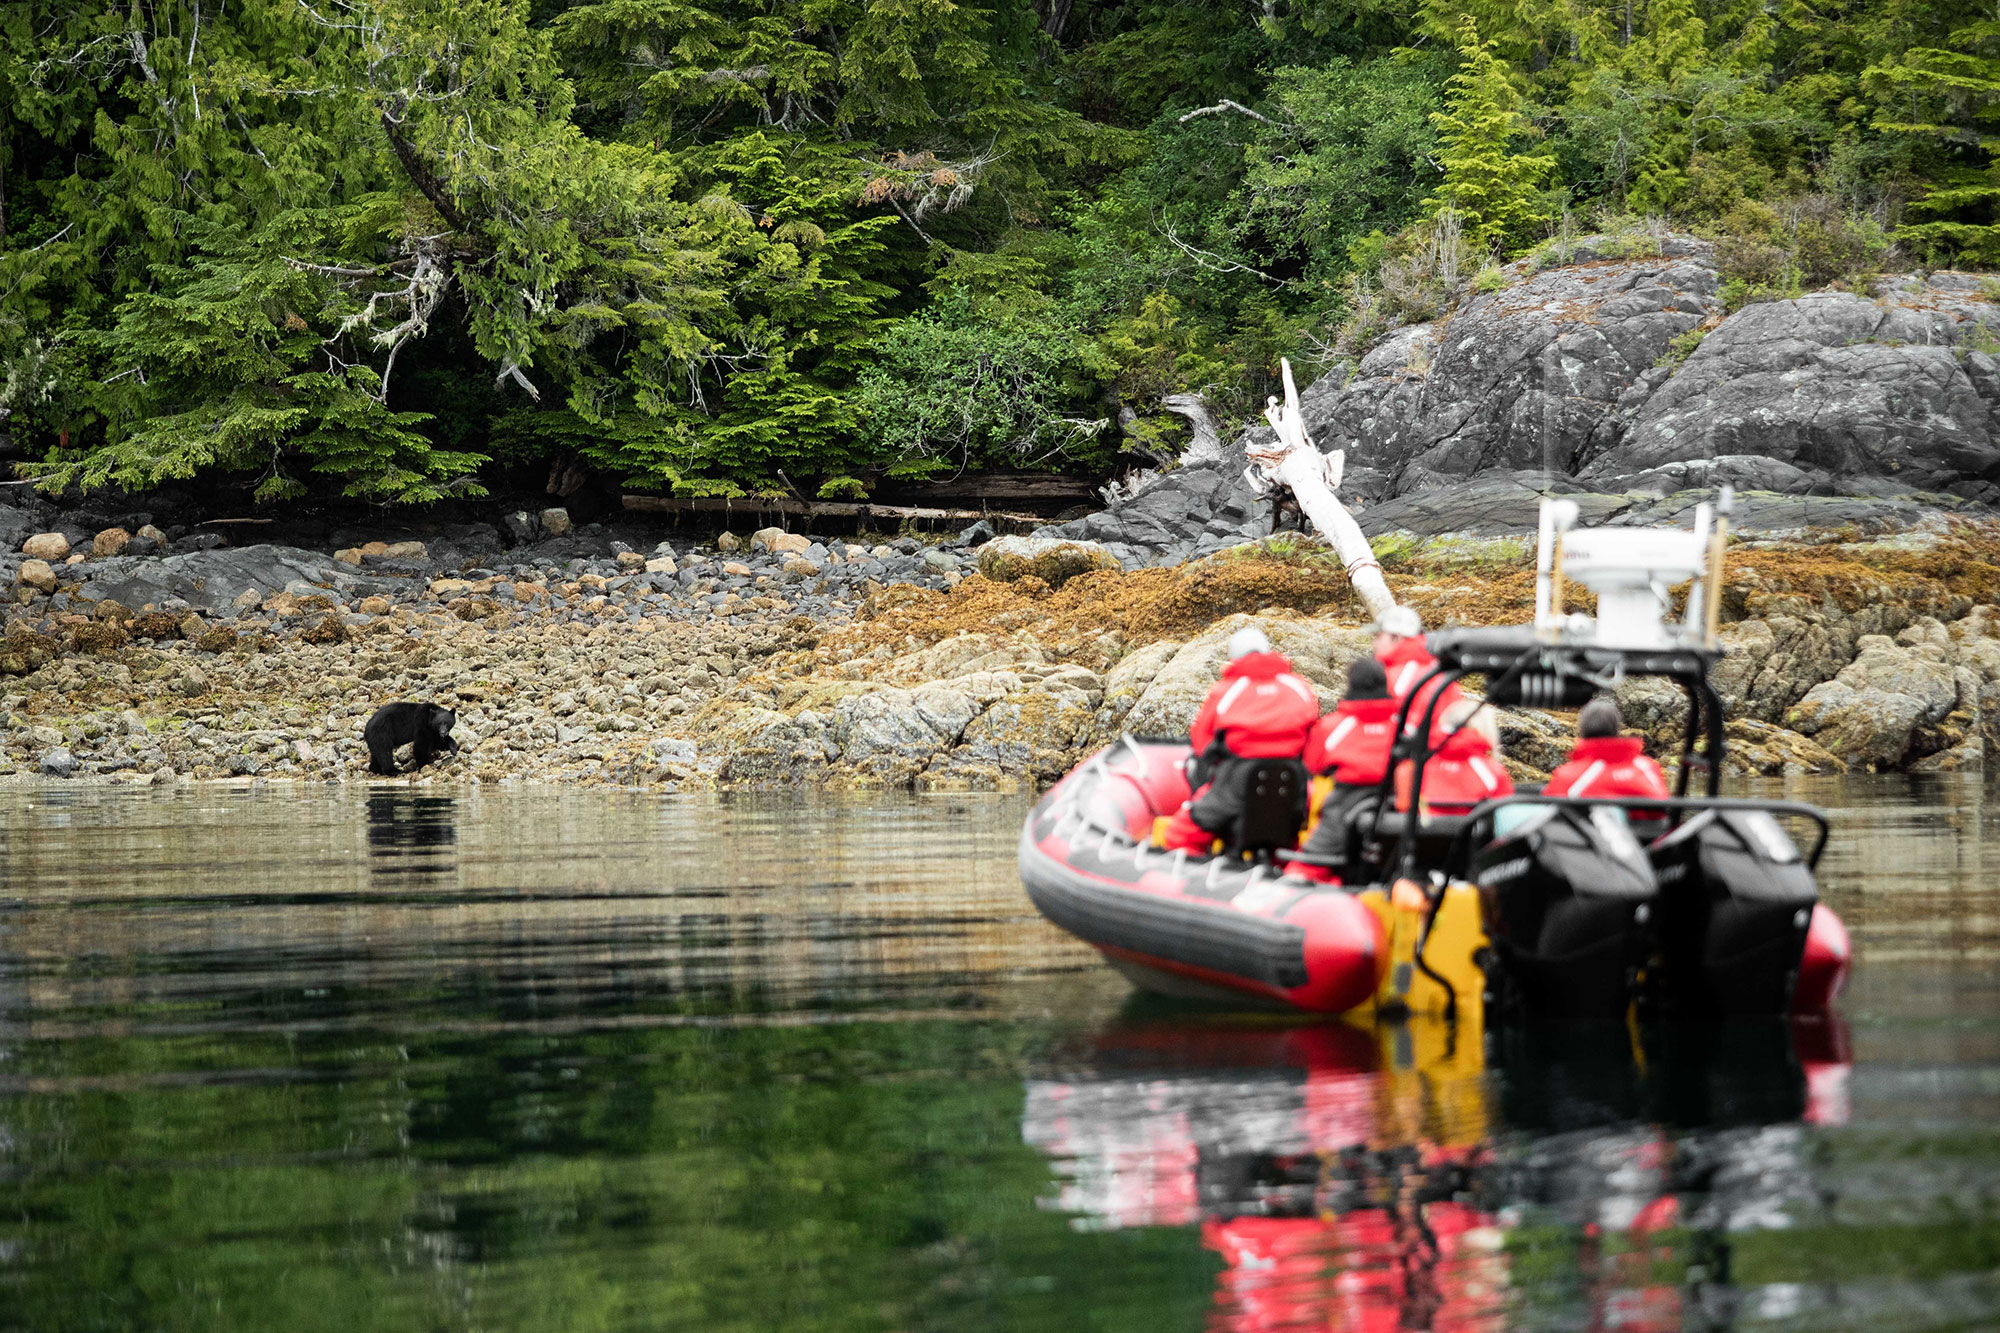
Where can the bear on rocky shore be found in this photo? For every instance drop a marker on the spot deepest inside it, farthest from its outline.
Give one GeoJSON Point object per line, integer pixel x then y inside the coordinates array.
{"type": "Point", "coordinates": [426, 728]}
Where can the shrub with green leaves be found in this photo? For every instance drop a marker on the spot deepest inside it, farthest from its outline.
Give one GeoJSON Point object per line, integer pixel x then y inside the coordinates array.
{"type": "Point", "coordinates": [1802, 245]}
{"type": "Point", "coordinates": [952, 389]}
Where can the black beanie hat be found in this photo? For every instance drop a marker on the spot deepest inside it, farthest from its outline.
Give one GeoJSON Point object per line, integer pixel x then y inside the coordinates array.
{"type": "Point", "coordinates": [1366, 679]}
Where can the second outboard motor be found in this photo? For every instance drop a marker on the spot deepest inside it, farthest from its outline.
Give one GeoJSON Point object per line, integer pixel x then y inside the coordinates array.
{"type": "Point", "coordinates": [1565, 894]}
{"type": "Point", "coordinates": [1736, 899]}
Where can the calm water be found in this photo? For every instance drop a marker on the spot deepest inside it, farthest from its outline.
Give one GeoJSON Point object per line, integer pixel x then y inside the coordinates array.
{"type": "Point", "coordinates": [555, 1061]}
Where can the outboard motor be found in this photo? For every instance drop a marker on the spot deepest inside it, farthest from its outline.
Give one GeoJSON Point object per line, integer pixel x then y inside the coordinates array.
{"type": "Point", "coordinates": [1736, 898]}
{"type": "Point", "coordinates": [1565, 895]}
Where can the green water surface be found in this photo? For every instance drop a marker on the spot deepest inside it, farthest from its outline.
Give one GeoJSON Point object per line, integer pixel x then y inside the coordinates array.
{"type": "Point", "coordinates": [355, 1059]}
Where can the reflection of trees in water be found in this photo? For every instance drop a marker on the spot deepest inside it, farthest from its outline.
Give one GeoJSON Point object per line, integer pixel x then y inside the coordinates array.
{"type": "Point", "coordinates": [773, 1179]}
{"type": "Point", "coordinates": [1351, 1181]}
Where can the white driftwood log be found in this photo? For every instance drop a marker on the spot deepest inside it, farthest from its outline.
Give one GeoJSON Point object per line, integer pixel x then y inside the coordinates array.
{"type": "Point", "coordinates": [1313, 477]}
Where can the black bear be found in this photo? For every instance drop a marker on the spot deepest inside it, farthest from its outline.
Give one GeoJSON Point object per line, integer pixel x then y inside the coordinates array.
{"type": "Point", "coordinates": [425, 727]}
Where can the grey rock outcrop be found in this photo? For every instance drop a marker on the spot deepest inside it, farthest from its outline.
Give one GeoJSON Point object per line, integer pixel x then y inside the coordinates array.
{"type": "Point", "coordinates": [212, 581]}
{"type": "Point", "coordinates": [1531, 376]}
{"type": "Point", "coordinates": [1569, 380]}
{"type": "Point", "coordinates": [1832, 383]}
{"type": "Point", "coordinates": [1185, 514]}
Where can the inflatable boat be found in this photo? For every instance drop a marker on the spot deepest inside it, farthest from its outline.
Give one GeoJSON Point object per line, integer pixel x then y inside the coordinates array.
{"type": "Point", "coordinates": [1542, 907]}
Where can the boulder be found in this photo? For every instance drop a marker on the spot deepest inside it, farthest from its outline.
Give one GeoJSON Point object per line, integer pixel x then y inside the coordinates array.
{"type": "Point", "coordinates": [1753, 747]}
{"type": "Point", "coordinates": [1179, 515]}
{"type": "Point", "coordinates": [50, 546]}
{"type": "Point", "coordinates": [38, 575]}
{"type": "Point", "coordinates": [555, 522]}
{"type": "Point", "coordinates": [1319, 652]}
{"type": "Point", "coordinates": [1871, 713]}
{"type": "Point", "coordinates": [57, 763]}
{"type": "Point", "coordinates": [16, 526]}
{"type": "Point", "coordinates": [892, 735]}
{"type": "Point", "coordinates": [110, 542]}
{"type": "Point", "coordinates": [152, 534]}
{"type": "Point", "coordinates": [764, 747]}
{"type": "Point", "coordinates": [520, 527]}
{"type": "Point", "coordinates": [1132, 675]}
{"type": "Point", "coordinates": [1027, 738]}
{"type": "Point", "coordinates": [1491, 504]}
{"type": "Point", "coordinates": [1055, 561]}
{"type": "Point", "coordinates": [779, 542]}
{"type": "Point", "coordinates": [962, 655]}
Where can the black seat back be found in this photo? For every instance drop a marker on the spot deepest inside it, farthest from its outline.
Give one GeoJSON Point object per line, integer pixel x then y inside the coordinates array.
{"type": "Point", "coordinates": [1274, 809]}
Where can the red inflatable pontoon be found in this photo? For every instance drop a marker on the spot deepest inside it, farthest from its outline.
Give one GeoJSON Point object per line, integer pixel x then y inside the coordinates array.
{"type": "Point", "coordinates": [1188, 925]}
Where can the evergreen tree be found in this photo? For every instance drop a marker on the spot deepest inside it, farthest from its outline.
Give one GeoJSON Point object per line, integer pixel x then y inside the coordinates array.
{"type": "Point", "coordinates": [1494, 190]}
{"type": "Point", "coordinates": [1948, 99]}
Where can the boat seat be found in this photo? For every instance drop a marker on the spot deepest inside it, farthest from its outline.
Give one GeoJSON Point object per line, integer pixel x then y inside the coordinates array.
{"type": "Point", "coordinates": [1274, 809]}
{"type": "Point", "coordinates": [1434, 837]}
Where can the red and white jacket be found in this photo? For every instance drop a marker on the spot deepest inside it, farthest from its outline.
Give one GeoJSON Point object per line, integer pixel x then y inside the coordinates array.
{"type": "Point", "coordinates": [1408, 663]}
{"type": "Point", "coordinates": [1462, 773]}
{"type": "Point", "coordinates": [1614, 767]}
{"type": "Point", "coordinates": [1259, 709]}
{"type": "Point", "coordinates": [1351, 744]}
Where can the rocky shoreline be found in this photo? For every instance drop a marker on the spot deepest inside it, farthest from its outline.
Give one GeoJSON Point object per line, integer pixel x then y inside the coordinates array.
{"type": "Point", "coordinates": [1862, 429]}
{"type": "Point", "coordinates": [969, 663]}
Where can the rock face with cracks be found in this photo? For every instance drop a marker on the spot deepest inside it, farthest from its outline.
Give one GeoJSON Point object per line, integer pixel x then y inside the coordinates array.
{"type": "Point", "coordinates": [1622, 382]}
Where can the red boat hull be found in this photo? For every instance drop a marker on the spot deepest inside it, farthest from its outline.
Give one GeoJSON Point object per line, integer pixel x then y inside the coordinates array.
{"type": "Point", "coordinates": [1189, 925]}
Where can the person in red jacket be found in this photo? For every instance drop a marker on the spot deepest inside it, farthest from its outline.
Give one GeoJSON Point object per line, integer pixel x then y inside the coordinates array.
{"type": "Point", "coordinates": [1351, 745]}
{"type": "Point", "coordinates": [1406, 661]}
{"type": "Point", "coordinates": [1605, 763]}
{"type": "Point", "coordinates": [1258, 710]}
{"type": "Point", "coordinates": [1463, 769]}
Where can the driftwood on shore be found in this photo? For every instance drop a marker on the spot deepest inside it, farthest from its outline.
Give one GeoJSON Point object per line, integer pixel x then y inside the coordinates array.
{"type": "Point", "coordinates": [811, 509]}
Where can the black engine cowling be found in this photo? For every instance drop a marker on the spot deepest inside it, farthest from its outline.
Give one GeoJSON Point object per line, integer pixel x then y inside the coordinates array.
{"type": "Point", "coordinates": [1565, 897]}
{"type": "Point", "coordinates": [1736, 899]}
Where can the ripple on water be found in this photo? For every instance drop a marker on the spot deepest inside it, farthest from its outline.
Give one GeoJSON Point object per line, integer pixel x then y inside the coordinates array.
{"type": "Point", "coordinates": [366, 1058]}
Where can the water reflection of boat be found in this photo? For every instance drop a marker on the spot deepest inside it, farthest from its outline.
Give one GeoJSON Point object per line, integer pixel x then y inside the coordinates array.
{"type": "Point", "coordinates": [1391, 1178]}
{"type": "Point", "coordinates": [1560, 906]}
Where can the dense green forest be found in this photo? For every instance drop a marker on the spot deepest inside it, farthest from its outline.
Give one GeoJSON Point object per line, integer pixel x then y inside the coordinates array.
{"type": "Point", "coordinates": [390, 248]}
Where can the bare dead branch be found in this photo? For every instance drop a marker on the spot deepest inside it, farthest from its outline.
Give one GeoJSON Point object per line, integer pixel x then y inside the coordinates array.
{"type": "Point", "coordinates": [1226, 104]}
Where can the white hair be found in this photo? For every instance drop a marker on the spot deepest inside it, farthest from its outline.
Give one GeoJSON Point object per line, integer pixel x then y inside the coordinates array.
{"type": "Point", "coordinates": [1475, 714]}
